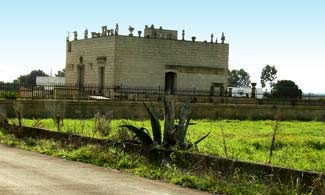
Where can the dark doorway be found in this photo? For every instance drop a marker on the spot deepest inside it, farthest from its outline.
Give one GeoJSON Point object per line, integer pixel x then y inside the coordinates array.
{"type": "Point", "coordinates": [81, 75]}
{"type": "Point", "coordinates": [217, 89]}
{"type": "Point", "coordinates": [101, 80]}
{"type": "Point", "coordinates": [170, 82]}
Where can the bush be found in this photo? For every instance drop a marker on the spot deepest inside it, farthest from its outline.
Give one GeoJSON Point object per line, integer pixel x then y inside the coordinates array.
{"type": "Point", "coordinates": [8, 95]}
{"type": "Point", "coordinates": [286, 89]}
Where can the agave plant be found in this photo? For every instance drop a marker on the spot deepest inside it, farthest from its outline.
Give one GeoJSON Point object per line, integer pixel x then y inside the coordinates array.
{"type": "Point", "coordinates": [174, 133]}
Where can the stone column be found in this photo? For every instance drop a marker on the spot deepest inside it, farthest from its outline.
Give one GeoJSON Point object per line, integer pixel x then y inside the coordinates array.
{"type": "Point", "coordinates": [253, 90]}
{"type": "Point", "coordinates": [222, 91]}
{"type": "Point", "coordinates": [230, 92]}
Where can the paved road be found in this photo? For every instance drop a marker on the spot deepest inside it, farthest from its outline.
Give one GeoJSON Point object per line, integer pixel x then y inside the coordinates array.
{"type": "Point", "coordinates": [23, 172]}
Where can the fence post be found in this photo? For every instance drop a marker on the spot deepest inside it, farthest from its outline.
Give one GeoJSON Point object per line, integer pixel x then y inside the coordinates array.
{"type": "Point", "coordinates": [78, 93]}
{"type": "Point", "coordinates": [32, 92]}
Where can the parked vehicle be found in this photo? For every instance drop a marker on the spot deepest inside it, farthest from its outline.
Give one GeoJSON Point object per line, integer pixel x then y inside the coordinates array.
{"type": "Point", "coordinates": [245, 92]}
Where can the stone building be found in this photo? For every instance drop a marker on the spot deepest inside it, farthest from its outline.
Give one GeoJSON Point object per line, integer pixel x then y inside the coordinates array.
{"type": "Point", "coordinates": [156, 59]}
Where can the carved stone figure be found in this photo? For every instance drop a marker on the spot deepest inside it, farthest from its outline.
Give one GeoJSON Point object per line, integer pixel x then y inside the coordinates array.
{"type": "Point", "coordinates": [139, 33]}
{"type": "Point", "coordinates": [86, 34]}
{"type": "Point", "coordinates": [110, 32]}
{"type": "Point", "coordinates": [223, 38]}
{"type": "Point", "coordinates": [116, 29]}
{"type": "Point", "coordinates": [212, 38]}
{"type": "Point", "coordinates": [93, 35]}
{"type": "Point", "coordinates": [183, 35]}
{"type": "Point", "coordinates": [75, 33]}
{"type": "Point", "coordinates": [104, 30]}
{"type": "Point", "coordinates": [68, 36]}
{"type": "Point", "coordinates": [193, 39]}
{"type": "Point", "coordinates": [131, 29]}
{"type": "Point", "coordinates": [216, 40]}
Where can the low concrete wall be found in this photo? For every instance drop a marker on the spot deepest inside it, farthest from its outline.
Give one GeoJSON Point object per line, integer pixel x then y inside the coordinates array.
{"type": "Point", "coordinates": [136, 110]}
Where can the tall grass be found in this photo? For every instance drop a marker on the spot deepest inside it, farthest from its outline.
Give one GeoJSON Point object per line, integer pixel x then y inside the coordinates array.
{"type": "Point", "coordinates": [299, 145]}
{"type": "Point", "coordinates": [214, 182]}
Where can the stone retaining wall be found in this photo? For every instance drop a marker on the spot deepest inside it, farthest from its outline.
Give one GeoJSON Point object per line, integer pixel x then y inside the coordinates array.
{"type": "Point", "coordinates": [136, 110]}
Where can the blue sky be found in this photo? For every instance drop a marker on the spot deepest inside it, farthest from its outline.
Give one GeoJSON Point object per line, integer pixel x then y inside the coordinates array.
{"type": "Point", "coordinates": [288, 34]}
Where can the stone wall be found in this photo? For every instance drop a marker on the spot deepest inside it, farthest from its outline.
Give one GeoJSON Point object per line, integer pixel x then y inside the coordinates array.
{"type": "Point", "coordinates": [136, 110]}
{"type": "Point", "coordinates": [93, 53]}
{"type": "Point", "coordinates": [143, 62]}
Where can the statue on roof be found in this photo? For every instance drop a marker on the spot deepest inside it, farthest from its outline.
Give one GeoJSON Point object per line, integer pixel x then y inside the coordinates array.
{"type": "Point", "coordinates": [183, 35]}
{"type": "Point", "coordinates": [131, 29]}
{"type": "Point", "coordinates": [223, 38]}
{"type": "Point", "coordinates": [116, 29]}
{"type": "Point", "coordinates": [86, 34]}
{"type": "Point", "coordinates": [75, 33]}
{"type": "Point", "coordinates": [104, 31]}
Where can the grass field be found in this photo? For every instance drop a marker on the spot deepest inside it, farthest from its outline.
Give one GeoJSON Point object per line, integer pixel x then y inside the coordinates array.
{"type": "Point", "coordinates": [115, 158]}
{"type": "Point", "coordinates": [299, 145]}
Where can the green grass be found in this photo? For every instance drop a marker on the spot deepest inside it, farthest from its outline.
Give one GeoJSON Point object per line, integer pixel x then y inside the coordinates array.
{"type": "Point", "coordinates": [139, 165]}
{"type": "Point", "coordinates": [299, 145]}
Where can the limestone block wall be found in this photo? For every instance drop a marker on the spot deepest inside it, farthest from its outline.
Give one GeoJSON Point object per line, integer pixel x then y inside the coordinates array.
{"type": "Point", "coordinates": [92, 51]}
{"type": "Point", "coordinates": [144, 62]}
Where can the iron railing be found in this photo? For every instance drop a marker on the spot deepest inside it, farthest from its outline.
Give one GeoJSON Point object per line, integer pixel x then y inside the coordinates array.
{"type": "Point", "coordinates": [92, 92]}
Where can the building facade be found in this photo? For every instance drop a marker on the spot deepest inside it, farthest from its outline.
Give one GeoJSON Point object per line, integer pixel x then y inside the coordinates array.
{"type": "Point", "coordinates": [157, 59]}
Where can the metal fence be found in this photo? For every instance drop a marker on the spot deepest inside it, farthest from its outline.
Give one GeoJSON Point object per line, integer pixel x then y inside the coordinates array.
{"type": "Point", "coordinates": [92, 92]}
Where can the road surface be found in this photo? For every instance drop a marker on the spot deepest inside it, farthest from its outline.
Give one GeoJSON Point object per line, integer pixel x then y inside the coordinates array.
{"type": "Point", "coordinates": [24, 172]}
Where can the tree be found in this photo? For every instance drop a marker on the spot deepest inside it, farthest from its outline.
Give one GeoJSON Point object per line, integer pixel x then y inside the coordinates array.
{"type": "Point", "coordinates": [238, 78]}
{"type": "Point", "coordinates": [286, 89]}
{"type": "Point", "coordinates": [30, 79]}
{"type": "Point", "coordinates": [61, 73]}
{"type": "Point", "coordinates": [268, 75]}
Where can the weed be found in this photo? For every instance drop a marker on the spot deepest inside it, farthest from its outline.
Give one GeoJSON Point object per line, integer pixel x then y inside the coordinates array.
{"type": "Point", "coordinates": [224, 141]}
{"type": "Point", "coordinates": [103, 124]}
{"type": "Point", "coordinates": [38, 124]}
{"type": "Point", "coordinates": [272, 147]}
{"type": "Point", "coordinates": [18, 108]}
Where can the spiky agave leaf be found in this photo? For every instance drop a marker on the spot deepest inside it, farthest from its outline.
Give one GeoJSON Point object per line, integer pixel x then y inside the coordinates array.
{"type": "Point", "coordinates": [155, 124]}
{"type": "Point", "coordinates": [182, 127]}
{"type": "Point", "coordinates": [183, 133]}
{"type": "Point", "coordinates": [183, 113]}
{"type": "Point", "coordinates": [188, 120]}
{"type": "Point", "coordinates": [202, 138]}
{"type": "Point", "coordinates": [144, 137]}
{"type": "Point", "coordinates": [169, 117]}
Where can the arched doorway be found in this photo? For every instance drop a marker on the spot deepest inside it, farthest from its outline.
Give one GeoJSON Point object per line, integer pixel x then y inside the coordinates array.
{"type": "Point", "coordinates": [170, 82]}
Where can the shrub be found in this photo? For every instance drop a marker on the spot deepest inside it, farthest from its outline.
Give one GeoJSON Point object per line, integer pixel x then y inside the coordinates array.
{"type": "Point", "coordinates": [103, 124]}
